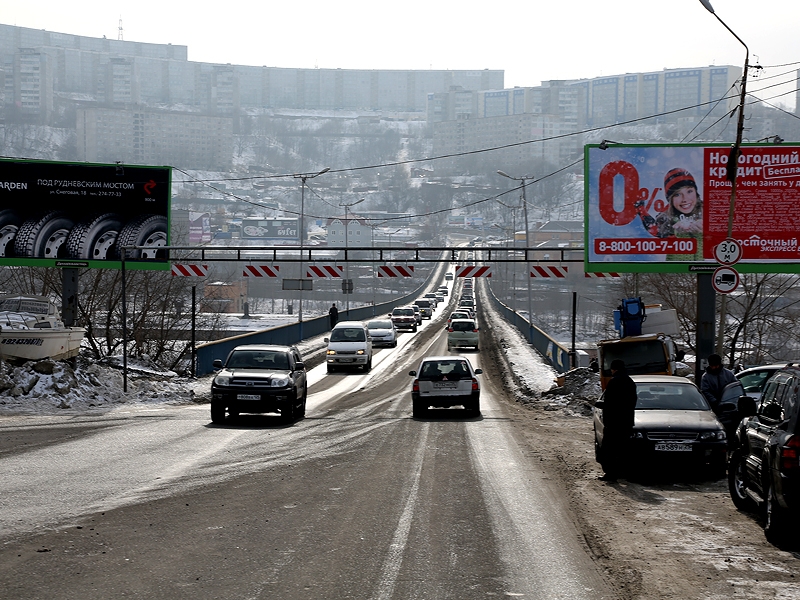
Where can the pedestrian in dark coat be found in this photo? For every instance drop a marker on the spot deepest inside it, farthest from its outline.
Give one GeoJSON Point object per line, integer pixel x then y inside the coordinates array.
{"type": "Point", "coordinates": [333, 314]}
{"type": "Point", "coordinates": [618, 414]}
{"type": "Point", "coordinates": [714, 380]}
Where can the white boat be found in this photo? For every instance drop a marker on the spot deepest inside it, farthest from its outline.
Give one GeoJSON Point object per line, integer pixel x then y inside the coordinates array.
{"type": "Point", "coordinates": [31, 329]}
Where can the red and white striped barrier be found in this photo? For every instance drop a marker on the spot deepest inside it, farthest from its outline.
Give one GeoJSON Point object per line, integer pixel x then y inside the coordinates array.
{"type": "Point", "coordinates": [189, 270]}
{"type": "Point", "coordinates": [601, 275]}
{"type": "Point", "coordinates": [549, 271]}
{"type": "Point", "coordinates": [261, 271]}
{"type": "Point", "coordinates": [396, 271]}
{"type": "Point", "coordinates": [473, 271]}
{"type": "Point", "coordinates": [325, 271]}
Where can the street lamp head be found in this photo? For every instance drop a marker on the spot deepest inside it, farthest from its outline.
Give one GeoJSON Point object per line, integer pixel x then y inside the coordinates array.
{"type": "Point", "coordinates": [504, 174]}
{"type": "Point", "coordinates": [325, 170]}
{"type": "Point", "coordinates": [708, 6]}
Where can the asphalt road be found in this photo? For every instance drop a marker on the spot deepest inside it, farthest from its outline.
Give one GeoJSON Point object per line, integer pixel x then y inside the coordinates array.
{"type": "Point", "coordinates": [358, 500]}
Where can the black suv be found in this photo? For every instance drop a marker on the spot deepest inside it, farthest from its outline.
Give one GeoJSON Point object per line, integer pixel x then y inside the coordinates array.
{"type": "Point", "coordinates": [258, 379]}
{"type": "Point", "coordinates": [764, 467]}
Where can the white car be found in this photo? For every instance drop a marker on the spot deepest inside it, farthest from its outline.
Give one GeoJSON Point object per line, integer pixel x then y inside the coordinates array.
{"type": "Point", "coordinates": [383, 332]}
{"type": "Point", "coordinates": [462, 333]}
{"type": "Point", "coordinates": [443, 382]}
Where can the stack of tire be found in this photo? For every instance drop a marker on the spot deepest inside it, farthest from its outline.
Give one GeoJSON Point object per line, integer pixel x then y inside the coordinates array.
{"type": "Point", "coordinates": [56, 234]}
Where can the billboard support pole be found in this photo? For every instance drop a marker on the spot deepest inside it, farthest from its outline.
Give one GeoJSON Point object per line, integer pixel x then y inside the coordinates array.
{"type": "Point", "coordinates": [706, 310]}
{"type": "Point", "coordinates": [123, 252]}
{"type": "Point", "coordinates": [69, 296]}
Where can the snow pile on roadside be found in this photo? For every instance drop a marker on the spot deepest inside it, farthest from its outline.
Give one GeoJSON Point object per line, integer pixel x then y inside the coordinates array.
{"type": "Point", "coordinates": [47, 386]}
{"type": "Point", "coordinates": [579, 392]}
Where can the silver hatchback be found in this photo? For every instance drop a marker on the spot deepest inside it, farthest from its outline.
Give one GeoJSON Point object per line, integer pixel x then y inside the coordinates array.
{"type": "Point", "coordinates": [443, 382]}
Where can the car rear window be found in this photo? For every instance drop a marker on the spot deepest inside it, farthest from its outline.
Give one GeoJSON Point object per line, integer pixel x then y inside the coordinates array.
{"type": "Point", "coordinates": [423, 303]}
{"type": "Point", "coordinates": [403, 312]}
{"type": "Point", "coordinates": [462, 325]}
{"type": "Point", "coordinates": [444, 369]}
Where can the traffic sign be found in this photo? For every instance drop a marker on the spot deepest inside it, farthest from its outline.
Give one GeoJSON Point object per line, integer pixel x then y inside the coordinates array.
{"type": "Point", "coordinates": [728, 252]}
{"type": "Point", "coordinates": [725, 280]}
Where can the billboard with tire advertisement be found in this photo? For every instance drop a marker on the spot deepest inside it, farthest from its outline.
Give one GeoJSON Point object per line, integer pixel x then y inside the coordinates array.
{"type": "Point", "coordinates": [664, 208]}
{"type": "Point", "coordinates": [58, 214]}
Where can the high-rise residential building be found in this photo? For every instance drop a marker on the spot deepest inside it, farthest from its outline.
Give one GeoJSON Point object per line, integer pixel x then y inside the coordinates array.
{"type": "Point", "coordinates": [29, 85]}
{"type": "Point", "coordinates": [155, 137]}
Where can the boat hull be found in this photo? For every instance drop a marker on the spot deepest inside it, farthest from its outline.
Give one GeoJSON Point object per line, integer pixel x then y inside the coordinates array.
{"type": "Point", "coordinates": [36, 344]}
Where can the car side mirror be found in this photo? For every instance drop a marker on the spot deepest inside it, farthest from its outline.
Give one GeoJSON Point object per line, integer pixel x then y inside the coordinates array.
{"type": "Point", "coordinates": [326, 340]}
{"type": "Point", "coordinates": [600, 404]}
{"type": "Point", "coordinates": [217, 363]}
{"type": "Point", "coordinates": [478, 371]}
{"type": "Point", "coordinates": [412, 373]}
{"type": "Point", "coordinates": [747, 406]}
{"type": "Point", "coordinates": [299, 366]}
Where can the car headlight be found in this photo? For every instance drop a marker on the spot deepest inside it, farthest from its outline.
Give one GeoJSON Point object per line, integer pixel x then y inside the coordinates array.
{"type": "Point", "coordinates": [360, 352]}
{"type": "Point", "coordinates": [280, 382]}
{"type": "Point", "coordinates": [331, 352]}
{"type": "Point", "coordinates": [712, 435]}
{"type": "Point", "coordinates": [222, 380]}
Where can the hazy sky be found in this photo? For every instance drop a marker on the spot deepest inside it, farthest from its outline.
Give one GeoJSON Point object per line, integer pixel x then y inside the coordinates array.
{"type": "Point", "coordinates": [531, 41]}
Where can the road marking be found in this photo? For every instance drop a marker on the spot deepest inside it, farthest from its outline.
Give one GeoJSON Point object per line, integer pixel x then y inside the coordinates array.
{"type": "Point", "coordinates": [391, 566]}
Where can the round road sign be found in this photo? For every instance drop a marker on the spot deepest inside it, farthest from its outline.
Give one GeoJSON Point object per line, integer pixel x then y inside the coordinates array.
{"type": "Point", "coordinates": [728, 252]}
{"type": "Point", "coordinates": [725, 280]}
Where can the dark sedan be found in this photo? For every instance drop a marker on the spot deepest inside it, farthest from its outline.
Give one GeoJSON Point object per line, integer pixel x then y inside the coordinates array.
{"type": "Point", "coordinates": [673, 424]}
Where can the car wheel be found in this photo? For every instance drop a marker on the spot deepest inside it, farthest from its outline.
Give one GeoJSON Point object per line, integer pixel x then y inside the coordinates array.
{"type": "Point", "coordinates": [368, 366]}
{"type": "Point", "coordinates": [301, 413]}
{"type": "Point", "coordinates": [474, 407]}
{"type": "Point", "coordinates": [394, 344]}
{"type": "Point", "coordinates": [217, 412]}
{"type": "Point", "coordinates": [287, 412]}
{"type": "Point", "coordinates": [415, 329]}
{"type": "Point", "coordinates": [476, 348]}
{"type": "Point", "coordinates": [9, 226]}
{"type": "Point", "coordinates": [737, 484]}
{"type": "Point", "coordinates": [419, 408]}
{"type": "Point", "coordinates": [776, 520]}
{"type": "Point", "coordinates": [95, 239]}
{"type": "Point", "coordinates": [149, 232]}
{"type": "Point", "coordinates": [44, 237]}
{"type": "Point", "coordinates": [330, 369]}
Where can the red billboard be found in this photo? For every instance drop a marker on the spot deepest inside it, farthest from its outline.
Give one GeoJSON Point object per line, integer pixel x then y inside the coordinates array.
{"type": "Point", "coordinates": [664, 208]}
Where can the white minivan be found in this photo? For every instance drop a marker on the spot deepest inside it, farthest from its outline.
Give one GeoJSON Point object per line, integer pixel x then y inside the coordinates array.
{"type": "Point", "coordinates": [350, 346]}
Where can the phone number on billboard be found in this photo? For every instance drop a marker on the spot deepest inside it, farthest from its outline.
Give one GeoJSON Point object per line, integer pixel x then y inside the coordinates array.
{"type": "Point", "coordinates": [645, 246]}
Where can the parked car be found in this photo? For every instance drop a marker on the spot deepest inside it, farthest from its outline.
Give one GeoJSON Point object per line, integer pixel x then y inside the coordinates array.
{"type": "Point", "coordinates": [444, 382]}
{"type": "Point", "coordinates": [673, 424]}
{"type": "Point", "coordinates": [383, 332]}
{"type": "Point", "coordinates": [350, 346]}
{"type": "Point", "coordinates": [403, 317]}
{"type": "Point", "coordinates": [259, 379]}
{"type": "Point", "coordinates": [425, 308]}
{"type": "Point", "coordinates": [764, 468]}
{"type": "Point", "coordinates": [755, 379]}
{"type": "Point", "coordinates": [462, 333]}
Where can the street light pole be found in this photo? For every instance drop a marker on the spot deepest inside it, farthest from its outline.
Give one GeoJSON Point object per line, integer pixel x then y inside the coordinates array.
{"type": "Point", "coordinates": [303, 177]}
{"type": "Point", "coordinates": [346, 261]}
{"type": "Point", "coordinates": [733, 163]}
{"type": "Point", "coordinates": [523, 180]}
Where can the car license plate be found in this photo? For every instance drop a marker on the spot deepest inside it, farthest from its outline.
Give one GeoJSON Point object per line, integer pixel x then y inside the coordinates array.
{"type": "Point", "coordinates": [346, 360]}
{"type": "Point", "coordinates": [673, 447]}
{"type": "Point", "coordinates": [248, 397]}
{"type": "Point", "coordinates": [445, 385]}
